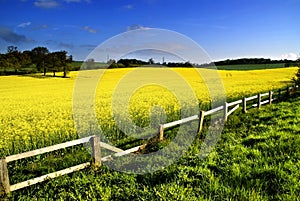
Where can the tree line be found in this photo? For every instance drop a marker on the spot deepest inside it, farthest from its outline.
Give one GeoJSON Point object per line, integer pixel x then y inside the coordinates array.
{"type": "Point", "coordinates": [39, 59]}
{"type": "Point", "coordinates": [125, 63]}
{"type": "Point", "coordinates": [251, 61]}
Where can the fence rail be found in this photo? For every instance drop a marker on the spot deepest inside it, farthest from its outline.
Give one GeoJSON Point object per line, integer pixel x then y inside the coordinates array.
{"type": "Point", "coordinates": [96, 150]}
{"type": "Point", "coordinates": [47, 149]}
{"type": "Point", "coordinates": [48, 176]}
{"type": "Point", "coordinates": [228, 109]}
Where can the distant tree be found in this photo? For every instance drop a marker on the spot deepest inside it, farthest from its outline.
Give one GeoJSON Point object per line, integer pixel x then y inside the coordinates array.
{"type": "Point", "coordinates": [151, 61]}
{"type": "Point", "coordinates": [90, 63]}
{"type": "Point", "coordinates": [16, 59]}
{"type": "Point", "coordinates": [124, 62]}
{"type": "Point", "coordinates": [38, 56]}
{"type": "Point", "coordinates": [58, 61]}
{"type": "Point", "coordinates": [4, 64]}
{"type": "Point", "coordinates": [111, 61]}
{"type": "Point", "coordinates": [187, 64]}
{"type": "Point", "coordinates": [67, 64]}
{"type": "Point", "coordinates": [51, 62]}
{"type": "Point", "coordinates": [296, 79]}
{"type": "Point", "coordinates": [11, 49]}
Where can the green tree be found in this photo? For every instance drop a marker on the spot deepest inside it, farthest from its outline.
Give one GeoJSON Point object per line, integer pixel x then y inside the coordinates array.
{"type": "Point", "coordinates": [151, 61]}
{"type": "Point", "coordinates": [58, 61]}
{"type": "Point", "coordinates": [297, 77]}
{"type": "Point", "coordinates": [11, 49]}
{"type": "Point", "coordinates": [67, 65]}
{"type": "Point", "coordinates": [4, 64]}
{"type": "Point", "coordinates": [16, 59]}
{"type": "Point", "coordinates": [51, 63]}
{"type": "Point", "coordinates": [38, 56]}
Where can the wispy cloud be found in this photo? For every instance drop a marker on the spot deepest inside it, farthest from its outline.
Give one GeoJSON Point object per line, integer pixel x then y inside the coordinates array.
{"type": "Point", "coordinates": [89, 29]}
{"type": "Point", "coordinates": [47, 4]}
{"type": "Point", "coordinates": [128, 6]}
{"type": "Point", "coordinates": [66, 45]}
{"type": "Point", "coordinates": [290, 56]}
{"type": "Point", "coordinates": [135, 27]}
{"type": "Point", "coordinates": [58, 44]}
{"type": "Point", "coordinates": [219, 27]}
{"type": "Point", "coordinates": [12, 37]}
{"type": "Point", "coordinates": [77, 1]}
{"type": "Point", "coordinates": [88, 46]}
{"type": "Point", "coordinates": [24, 24]}
{"type": "Point", "coordinates": [43, 26]}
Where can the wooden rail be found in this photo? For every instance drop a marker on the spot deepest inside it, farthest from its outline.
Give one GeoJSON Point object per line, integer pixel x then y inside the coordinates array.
{"type": "Point", "coordinates": [47, 149]}
{"type": "Point", "coordinates": [96, 154]}
{"type": "Point", "coordinates": [48, 176]}
{"type": "Point", "coordinates": [227, 109]}
{"type": "Point", "coordinates": [214, 110]}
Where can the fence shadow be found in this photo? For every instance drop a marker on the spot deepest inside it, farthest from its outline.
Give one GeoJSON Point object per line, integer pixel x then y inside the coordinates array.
{"type": "Point", "coordinates": [41, 76]}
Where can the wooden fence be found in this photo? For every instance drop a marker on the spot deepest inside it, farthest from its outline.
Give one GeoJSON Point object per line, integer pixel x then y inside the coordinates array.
{"type": "Point", "coordinates": [228, 108]}
{"type": "Point", "coordinates": [96, 154]}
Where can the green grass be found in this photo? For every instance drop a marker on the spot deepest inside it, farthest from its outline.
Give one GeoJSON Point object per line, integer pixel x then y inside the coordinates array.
{"type": "Point", "coordinates": [256, 158]}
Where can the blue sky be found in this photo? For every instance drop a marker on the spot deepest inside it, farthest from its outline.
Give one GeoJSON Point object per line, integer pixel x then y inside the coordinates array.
{"type": "Point", "coordinates": [224, 28]}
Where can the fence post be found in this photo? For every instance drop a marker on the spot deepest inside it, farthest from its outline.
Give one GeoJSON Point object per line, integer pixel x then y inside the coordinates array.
{"type": "Point", "coordinates": [259, 101]}
{"type": "Point", "coordinates": [244, 105]}
{"type": "Point", "coordinates": [279, 94]}
{"type": "Point", "coordinates": [4, 178]}
{"type": "Point", "coordinates": [161, 132]}
{"type": "Point", "coordinates": [225, 111]}
{"type": "Point", "coordinates": [270, 97]}
{"type": "Point", "coordinates": [287, 91]}
{"type": "Point", "coordinates": [95, 141]}
{"type": "Point", "coordinates": [201, 119]}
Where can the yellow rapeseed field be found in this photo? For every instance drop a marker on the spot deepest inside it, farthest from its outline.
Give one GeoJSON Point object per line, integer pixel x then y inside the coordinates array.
{"type": "Point", "coordinates": [37, 111]}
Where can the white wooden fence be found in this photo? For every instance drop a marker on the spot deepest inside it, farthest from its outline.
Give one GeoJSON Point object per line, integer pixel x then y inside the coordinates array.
{"type": "Point", "coordinates": [228, 108]}
{"type": "Point", "coordinates": [96, 154]}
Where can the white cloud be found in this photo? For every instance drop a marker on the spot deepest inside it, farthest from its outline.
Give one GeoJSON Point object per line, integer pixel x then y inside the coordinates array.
{"type": "Point", "coordinates": [135, 27]}
{"type": "Point", "coordinates": [46, 4]}
{"type": "Point", "coordinates": [25, 24]}
{"type": "Point", "coordinates": [89, 29]}
{"type": "Point", "coordinates": [290, 56]}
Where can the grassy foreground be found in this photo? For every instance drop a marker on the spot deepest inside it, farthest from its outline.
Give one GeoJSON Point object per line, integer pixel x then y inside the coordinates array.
{"type": "Point", "coordinates": [256, 158]}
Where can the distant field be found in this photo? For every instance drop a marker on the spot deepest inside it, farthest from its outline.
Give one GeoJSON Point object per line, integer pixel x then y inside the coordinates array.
{"type": "Point", "coordinates": [251, 66]}
{"type": "Point", "coordinates": [77, 65]}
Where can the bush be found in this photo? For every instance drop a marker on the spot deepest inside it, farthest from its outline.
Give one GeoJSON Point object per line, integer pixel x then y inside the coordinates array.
{"type": "Point", "coordinates": [297, 78]}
